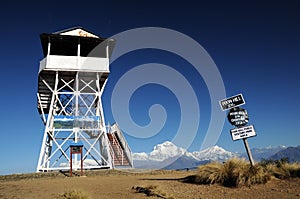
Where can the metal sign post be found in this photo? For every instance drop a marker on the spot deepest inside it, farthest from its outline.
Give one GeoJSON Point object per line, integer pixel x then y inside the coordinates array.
{"type": "Point", "coordinates": [238, 117]}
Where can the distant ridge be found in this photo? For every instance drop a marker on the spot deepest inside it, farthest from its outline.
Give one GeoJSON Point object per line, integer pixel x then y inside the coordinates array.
{"type": "Point", "coordinates": [263, 153]}
{"type": "Point", "coordinates": [292, 153]}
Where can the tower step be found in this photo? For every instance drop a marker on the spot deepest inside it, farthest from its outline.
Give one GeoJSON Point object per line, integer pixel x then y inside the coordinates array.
{"type": "Point", "coordinates": [118, 153]}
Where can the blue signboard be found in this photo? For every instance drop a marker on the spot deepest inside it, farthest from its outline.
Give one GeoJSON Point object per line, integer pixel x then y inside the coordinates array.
{"type": "Point", "coordinates": [70, 122]}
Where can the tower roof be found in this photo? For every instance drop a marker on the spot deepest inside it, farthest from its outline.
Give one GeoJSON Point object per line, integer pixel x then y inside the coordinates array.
{"type": "Point", "coordinates": [73, 35]}
{"type": "Point", "coordinates": [77, 31]}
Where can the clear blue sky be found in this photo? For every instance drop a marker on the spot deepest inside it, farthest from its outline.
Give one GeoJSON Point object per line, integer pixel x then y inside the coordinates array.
{"type": "Point", "coordinates": [254, 46]}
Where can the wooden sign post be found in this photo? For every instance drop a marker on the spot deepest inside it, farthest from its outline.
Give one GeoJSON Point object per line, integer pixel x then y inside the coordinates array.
{"type": "Point", "coordinates": [248, 151]}
{"type": "Point", "coordinates": [76, 149]}
{"type": "Point", "coordinates": [238, 117]}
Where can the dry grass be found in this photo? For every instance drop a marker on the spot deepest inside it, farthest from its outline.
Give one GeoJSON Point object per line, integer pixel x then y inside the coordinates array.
{"type": "Point", "coordinates": [284, 170]}
{"type": "Point", "coordinates": [233, 173]}
{"type": "Point", "coordinates": [73, 194]}
{"type": "Point", "coordinates": [151, 190]}
{"type": "Point", "coordinates": [238, 172]}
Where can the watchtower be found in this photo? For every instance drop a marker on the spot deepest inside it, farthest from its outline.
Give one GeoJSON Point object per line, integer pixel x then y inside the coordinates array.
{"type": "Point", "coordinates": [71, 80]}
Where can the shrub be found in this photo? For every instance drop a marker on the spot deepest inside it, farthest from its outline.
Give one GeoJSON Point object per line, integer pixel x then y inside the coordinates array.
{"type": "Point", "coordinates": [233, 173]}
{"type": "Point", "coordinates": [209, 174]}
{"type": "Point", "coordinates": [294, 169]}
{"type": "Point", "coordinates": [238, 172]}
{"type": "Point", "coordinates": [278, 163]}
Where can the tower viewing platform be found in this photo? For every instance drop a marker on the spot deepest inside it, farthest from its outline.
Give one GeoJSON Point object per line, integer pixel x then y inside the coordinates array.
{"type": "Point", "coordinates": [74, 50]}
{"type": "Point", "coordinates": [68, 52]}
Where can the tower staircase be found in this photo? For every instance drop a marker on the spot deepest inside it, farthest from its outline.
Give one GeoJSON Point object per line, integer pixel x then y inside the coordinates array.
{"type": "Point", "coordinates": [45, 95]}
{"type": "Point", "coordinates": [120, 151]}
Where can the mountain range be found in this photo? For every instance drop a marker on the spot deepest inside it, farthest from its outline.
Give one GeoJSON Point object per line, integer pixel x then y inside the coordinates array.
{"type": "Point", "coordinates": [263, 153]}
{"type": "Point", "coordinates": [292, 153]}
{"type": "Point", "coordinates": [169, 156]}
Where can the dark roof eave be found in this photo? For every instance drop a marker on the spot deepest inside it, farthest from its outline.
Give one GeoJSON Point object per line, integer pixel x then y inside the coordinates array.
{"type": "Point", "coordinates": [45, 38]}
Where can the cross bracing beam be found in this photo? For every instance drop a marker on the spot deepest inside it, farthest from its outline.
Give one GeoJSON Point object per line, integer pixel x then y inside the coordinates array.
{"type": "Point", "coordinates": [66, 84]}
{"type": "Point", "coordinates": [74, 114]}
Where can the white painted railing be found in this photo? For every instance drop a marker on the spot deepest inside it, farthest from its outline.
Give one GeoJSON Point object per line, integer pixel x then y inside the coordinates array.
{"type": "Point", "coordinates": [119, 148]}
{"type": "Point", "coordinates": [58, 62]}
{"type": "Point", "coordinates": [115, 129]}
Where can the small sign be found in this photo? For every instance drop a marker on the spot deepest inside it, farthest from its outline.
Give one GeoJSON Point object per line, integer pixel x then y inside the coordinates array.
{"type": "Point", "coordinates": [75, 149]}
{"type": "Point", "coordinates": [232, 102]}
{"type": "Point", "coordinates": [238, 117]}
{"type": "Point", "coordinates": [244, 132]}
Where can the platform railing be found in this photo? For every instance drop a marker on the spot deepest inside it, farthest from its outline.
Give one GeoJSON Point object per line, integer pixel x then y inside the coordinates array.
{"type": "Point", "coordinates": [52, 62]}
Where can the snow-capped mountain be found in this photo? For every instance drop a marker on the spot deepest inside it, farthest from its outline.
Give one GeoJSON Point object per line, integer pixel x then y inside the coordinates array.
{"type": "Point", "coordinates": [214, 153]}
{"type": "Point", "coordinates": [162, 152]}
{"type": "Point", "coordinates": [168, 155]}
{"type": "Point", "coordinates": [165, 150]}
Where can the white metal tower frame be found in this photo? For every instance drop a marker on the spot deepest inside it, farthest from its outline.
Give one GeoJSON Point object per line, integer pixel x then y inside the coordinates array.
{"type": "Point", "coordinates": [69, 101]}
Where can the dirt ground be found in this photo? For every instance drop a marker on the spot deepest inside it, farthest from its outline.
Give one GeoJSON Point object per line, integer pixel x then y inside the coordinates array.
{"type": "Point", "coordinates": [116, 184]}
